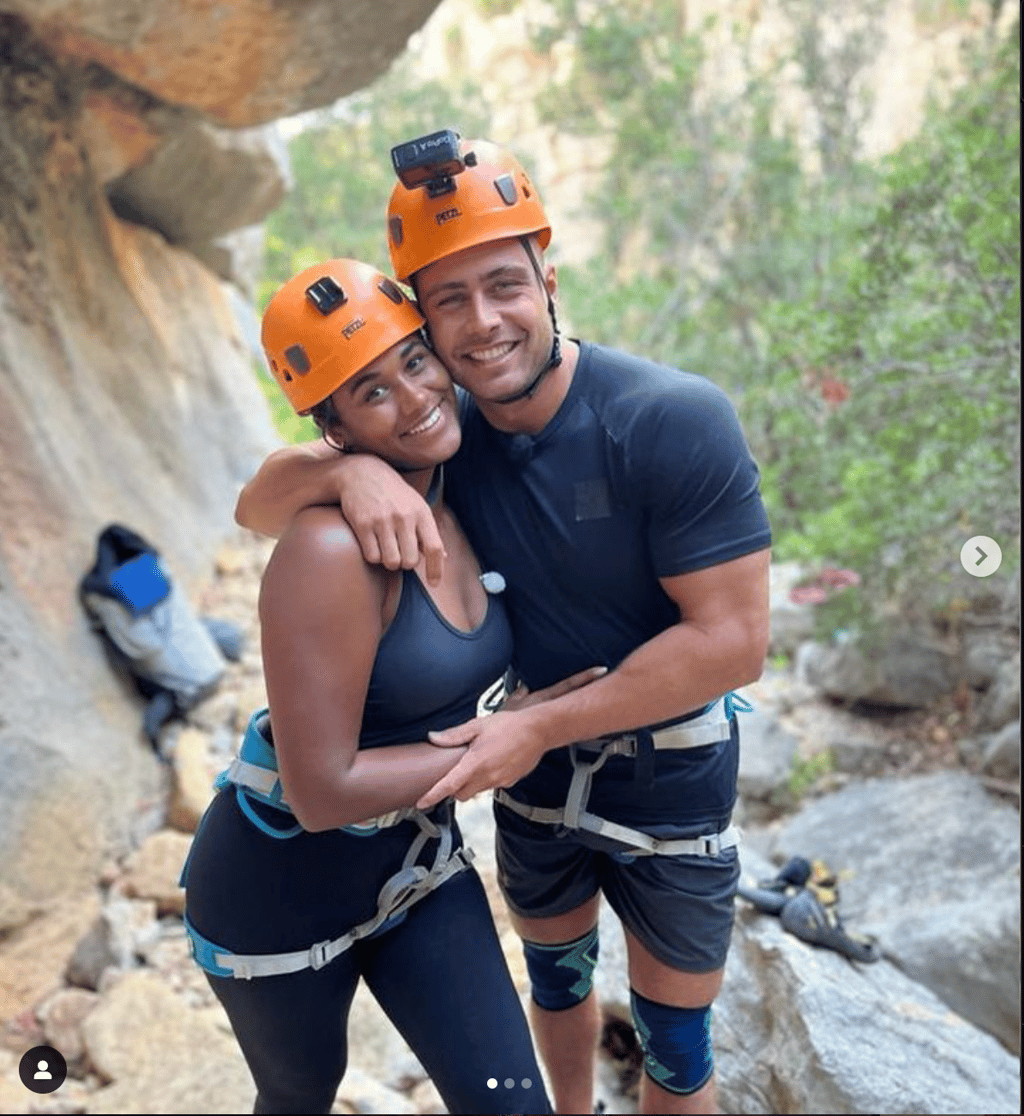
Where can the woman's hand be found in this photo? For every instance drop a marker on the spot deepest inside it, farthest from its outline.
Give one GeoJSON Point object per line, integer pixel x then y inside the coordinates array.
{"type": "Point", "coordinates": [522, 698]}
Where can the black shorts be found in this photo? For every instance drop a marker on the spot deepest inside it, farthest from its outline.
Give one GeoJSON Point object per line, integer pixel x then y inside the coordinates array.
{"type": "Point", "coordinates": [679, 907]}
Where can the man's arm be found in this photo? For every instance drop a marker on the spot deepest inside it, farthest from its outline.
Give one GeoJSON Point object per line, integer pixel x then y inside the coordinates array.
{"type": "Point", "coordinates": [719, 643]}
{"type": "Point", "coordinates": [390, 520]}
{"type": "Point", "coordinates": [290, 479]}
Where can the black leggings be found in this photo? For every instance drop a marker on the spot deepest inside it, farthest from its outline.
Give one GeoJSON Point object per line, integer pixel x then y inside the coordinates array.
{"type": "Point", "coordinates": [441, 978]}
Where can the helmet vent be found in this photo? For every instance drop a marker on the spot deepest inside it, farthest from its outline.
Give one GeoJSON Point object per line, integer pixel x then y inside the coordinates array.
{"type": "Point", "coordinates": [326, 295]}
{"type": "Point", "coordinates": [385, 286]}
{"type": "Point", "coordinates": [506, 187]}
{"type": "Point", "coordinates": [395, 225]}
{"type": "Point", "coordinates": [296, 357]}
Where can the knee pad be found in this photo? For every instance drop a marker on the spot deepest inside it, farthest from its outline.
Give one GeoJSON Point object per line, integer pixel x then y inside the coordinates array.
{"type": "Point", "coordinates": [676, 1043]}
{"type": "Point", "coordinates": [561, 976]}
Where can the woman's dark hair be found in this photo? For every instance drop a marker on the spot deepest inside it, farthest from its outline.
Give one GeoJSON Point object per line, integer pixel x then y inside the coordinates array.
{"type": "Point", "coordinates": [325, 415]}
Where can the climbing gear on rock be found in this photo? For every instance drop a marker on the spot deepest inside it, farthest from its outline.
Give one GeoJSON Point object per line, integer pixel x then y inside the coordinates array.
{"type": "Point", "coordinates": [710, 727]}
{"type": "Point", "coordinates": [148, 627]}
{"type": "Point", "coordinates": [810, 920]}
{"type": "Point", "coordinates": [805, 896]}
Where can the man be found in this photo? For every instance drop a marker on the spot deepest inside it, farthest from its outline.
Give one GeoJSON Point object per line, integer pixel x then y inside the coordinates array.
{"type": "Point", "coordinates": [619, 501]}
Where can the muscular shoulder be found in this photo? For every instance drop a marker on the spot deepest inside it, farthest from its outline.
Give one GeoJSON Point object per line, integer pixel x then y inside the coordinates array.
{"type": "Point", "coordinates": [651, 410]}
{"type": "Point", "coordinates": [628, 390]}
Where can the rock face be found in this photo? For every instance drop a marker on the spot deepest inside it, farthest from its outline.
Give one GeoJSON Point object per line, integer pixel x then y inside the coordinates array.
{"type": "Point", "coordinates": [126, 388]}
{"type": "Point", "coordinates": [238, 62]}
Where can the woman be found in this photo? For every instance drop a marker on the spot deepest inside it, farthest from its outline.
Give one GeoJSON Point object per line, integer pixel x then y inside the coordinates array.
{"type": "Point", "coordinates": [311, 868]}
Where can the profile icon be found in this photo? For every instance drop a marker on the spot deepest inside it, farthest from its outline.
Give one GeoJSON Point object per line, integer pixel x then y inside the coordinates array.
{"type": "Point", "coordinates": [42, 1069]}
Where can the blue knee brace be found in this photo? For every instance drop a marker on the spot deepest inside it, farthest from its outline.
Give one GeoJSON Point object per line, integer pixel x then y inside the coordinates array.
{"type": "Point", "coordinates": [561, 976]}
{"type": "Point", "coordinates": [676, 1043]}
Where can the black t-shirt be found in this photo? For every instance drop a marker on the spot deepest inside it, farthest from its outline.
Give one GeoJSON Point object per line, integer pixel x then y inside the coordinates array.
{"type": "Point", "coordinates": [642, 473]}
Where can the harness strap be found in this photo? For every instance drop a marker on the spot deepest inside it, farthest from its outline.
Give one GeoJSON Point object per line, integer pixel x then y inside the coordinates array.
{"type": "Point", "coordinates": [407, 886]}
{"type": "Point", "coordinates": [643, 844]}
{"type": "Point", "coordinates": [254, 771]}
{"type": "Point", "coordinates": [711, 727]}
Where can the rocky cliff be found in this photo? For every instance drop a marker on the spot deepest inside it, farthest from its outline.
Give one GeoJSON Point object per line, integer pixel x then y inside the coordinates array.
{"type": "Point", "coordinates": [133, 167]}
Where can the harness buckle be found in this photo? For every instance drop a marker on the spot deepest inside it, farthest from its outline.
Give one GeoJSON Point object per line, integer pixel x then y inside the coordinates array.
{"type": "Point", "coordinates": [318, 955]}
{"type": "Point", "coordinates": [712, 844]}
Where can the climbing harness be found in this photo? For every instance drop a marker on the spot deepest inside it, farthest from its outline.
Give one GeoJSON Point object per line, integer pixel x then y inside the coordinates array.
{"type": "Point", "coordinates": [710, 727]}
{"type": "Point", "coordinates": [254, 773]}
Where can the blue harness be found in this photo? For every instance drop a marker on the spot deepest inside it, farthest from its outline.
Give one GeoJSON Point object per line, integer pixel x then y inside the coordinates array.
{"type": "Point", "coordinates": [254, 775]}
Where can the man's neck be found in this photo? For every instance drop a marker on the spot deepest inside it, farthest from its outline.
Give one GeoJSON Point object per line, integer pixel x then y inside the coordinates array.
{"type": "Point", "coordinates": [532, 414]}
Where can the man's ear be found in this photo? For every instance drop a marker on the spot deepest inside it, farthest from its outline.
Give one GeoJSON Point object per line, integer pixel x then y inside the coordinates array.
{"type": "Point", "coordinates": [551, 279]}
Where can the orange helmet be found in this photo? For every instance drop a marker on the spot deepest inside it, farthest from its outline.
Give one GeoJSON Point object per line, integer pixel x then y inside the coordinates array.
{"type": "Point", "coordinates": [491, 199]}
{"type": "Point", "coordinates": [328, 322]}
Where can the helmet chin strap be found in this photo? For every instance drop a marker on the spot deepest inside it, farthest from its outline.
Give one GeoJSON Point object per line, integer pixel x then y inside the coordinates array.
{"type": "Point", "coordinates": [555, 359]}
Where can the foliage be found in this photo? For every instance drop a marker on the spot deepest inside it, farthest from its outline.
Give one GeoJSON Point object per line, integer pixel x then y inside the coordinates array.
{"type": "Point", "coordinates": [806, 772]}
{"type": "Point", "coordinates": [864, 317]}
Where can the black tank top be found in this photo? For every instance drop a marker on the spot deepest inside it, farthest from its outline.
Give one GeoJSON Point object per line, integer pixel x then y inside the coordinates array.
{"type": "Point", "coordinates": [429, 674]}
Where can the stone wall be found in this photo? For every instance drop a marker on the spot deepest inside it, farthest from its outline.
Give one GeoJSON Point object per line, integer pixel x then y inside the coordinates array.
{"type": "Point", "coordinates": [126, 389]}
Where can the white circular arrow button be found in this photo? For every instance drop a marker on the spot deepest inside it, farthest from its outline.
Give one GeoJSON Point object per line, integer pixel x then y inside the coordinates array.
{"type": "Point", "coordinates": [980, 556]}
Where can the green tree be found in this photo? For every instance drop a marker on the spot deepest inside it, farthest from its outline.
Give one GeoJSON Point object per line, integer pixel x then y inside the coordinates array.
{"type": "Point", "coordinates": [863, 316]}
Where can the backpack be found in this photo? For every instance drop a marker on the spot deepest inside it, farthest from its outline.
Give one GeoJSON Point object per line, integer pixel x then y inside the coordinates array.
{"type": "Point", "coordinates": [148, 627]}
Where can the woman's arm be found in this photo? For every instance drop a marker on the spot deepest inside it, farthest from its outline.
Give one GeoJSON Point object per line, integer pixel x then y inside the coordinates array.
{"type": "Point", "coordinates": [320, 613]}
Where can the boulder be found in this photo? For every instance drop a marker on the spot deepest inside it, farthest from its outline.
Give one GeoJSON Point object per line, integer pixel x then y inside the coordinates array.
{"type": "Point", "coordinates": [931, 866]}
{"type": "Point", "coordinates": [767, 754]}
{"type": "Point", "coordinates": [1001, 756]}
{"type": "Point", "coordinates": [790, 623]}
{"type": "Point", "coordinates": [985, 651]}
{"type": "Point", "coordinates": [117, 939]}
{"type": "Point", "coordinates": [126, 386]}
{"type": "Point", "coordinates": [161, 1056]}
{"type": "Point", "coordinates": [910, 671]}
{"type": "Point", "coordinates": [801, 1029]}
{"type": "Point", "coordinates": [1001, 704]}
{"type": "Point", "coordinates": [155, 868]}
{"type": "Point", "coordinates": [34, 957]}
{"type": "Point", "coordinates": [192, 782]}
{"type": "Point", "coordinates": [62, 1016]}
{"type": "Point", "coordinates": [239, 64]}
{"type": "Point", "coordinates": [203, 182]}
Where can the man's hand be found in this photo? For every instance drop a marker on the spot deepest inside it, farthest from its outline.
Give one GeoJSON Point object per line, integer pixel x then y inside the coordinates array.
{"type": "Point", "coordinates": [522, 698]}
{"type": "Point", "coordinates": [391, 521]}
{"type": "Point", "coordinates": [504, 746]}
